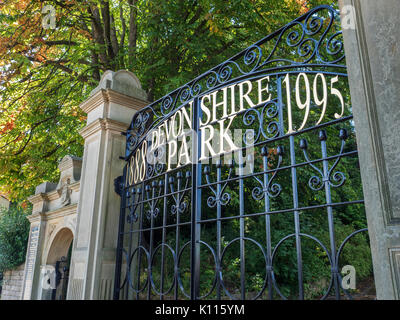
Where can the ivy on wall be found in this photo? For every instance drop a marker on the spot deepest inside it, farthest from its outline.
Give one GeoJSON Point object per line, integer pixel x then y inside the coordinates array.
{"type": "Point", "coordinates": [14, 234]}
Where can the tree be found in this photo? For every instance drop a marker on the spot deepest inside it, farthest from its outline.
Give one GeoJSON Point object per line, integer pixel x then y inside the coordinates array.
{"type": "Point", "coordinates": [14, 233]}
{"type": "Point", "coordinates": [46, 73]}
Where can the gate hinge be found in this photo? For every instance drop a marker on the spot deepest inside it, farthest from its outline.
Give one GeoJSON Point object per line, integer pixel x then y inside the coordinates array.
{"type": "Point", "coordinates": [118, 185]}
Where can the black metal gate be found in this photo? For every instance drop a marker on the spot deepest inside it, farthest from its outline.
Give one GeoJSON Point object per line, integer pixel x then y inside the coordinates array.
{"type": "Point", "coordinates": [244, 183]}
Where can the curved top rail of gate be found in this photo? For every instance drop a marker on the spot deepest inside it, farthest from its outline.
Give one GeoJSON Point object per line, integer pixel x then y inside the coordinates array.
{"type": "Point", "coordinates": [311, 41]}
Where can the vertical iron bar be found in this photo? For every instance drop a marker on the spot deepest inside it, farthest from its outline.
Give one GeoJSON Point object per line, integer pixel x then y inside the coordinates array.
{"type": "Point", "coordinates": [218, 231]}
{"type": "Point", "coordinates": [177, 235]}
{"type": "Point", "coordinates": [296, 218]}
{"type": "Point", "coordinates": [130, 235]}
{"type": "Point", "coordinates": [280, 105]}
{"type": "Point", "coordinates": [242, 235]}
{"type": "Point", "coordinates": [151, 241]}
{"type": "Point", "coordinates": [163, 235]}
{"type": "Point", "coordinates": [267, 200]}
{"type": "Point", "coordinates": [330, 216]}
{"type": "Point", "coordinates": [196, 205]}
{"type": "Point", "coordinates": [267, 229]}
{"type": "Point", "coordinates": [120, 243]}
{"type": "Point", "coordinates": [141, 195]}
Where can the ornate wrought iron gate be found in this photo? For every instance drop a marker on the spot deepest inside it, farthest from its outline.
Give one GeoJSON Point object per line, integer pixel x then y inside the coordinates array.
{"type": "Point", "coordinates": [244, 183]}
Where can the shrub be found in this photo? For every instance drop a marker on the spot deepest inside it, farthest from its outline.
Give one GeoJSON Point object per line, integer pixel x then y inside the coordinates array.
{"type": "Point", "coordinates": [14, 233]}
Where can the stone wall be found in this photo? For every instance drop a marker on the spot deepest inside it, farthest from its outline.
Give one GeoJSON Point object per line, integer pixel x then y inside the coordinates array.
{"type": "Point", "coordinates": [12, 283]}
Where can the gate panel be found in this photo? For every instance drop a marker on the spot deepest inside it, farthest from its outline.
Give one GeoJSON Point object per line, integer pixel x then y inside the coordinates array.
{"type": "Point", "coordinates": [244, 183]}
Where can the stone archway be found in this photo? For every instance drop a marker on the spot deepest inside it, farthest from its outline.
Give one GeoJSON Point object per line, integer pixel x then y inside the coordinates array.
{"type": "Point", "coordinates": [57, 265]}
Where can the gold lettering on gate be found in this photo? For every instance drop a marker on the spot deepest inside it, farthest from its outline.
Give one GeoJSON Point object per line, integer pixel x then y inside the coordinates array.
{"type": "Point", "coordinates": [172, 134]}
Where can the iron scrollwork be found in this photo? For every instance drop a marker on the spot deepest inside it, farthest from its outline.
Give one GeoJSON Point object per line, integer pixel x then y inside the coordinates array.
{"type": "Point", "coordinates": [307, 35]}
{"type": "Point", "coordinates": [220, 197]}
{"type": "Point", "coordinates": [180, 204]}
{"type": "Point", "coordinates": [156, 189]}
{"type": "Point", "coordinates": [337, 179]}
{"type": "Point", "coordinates": [268, 187]}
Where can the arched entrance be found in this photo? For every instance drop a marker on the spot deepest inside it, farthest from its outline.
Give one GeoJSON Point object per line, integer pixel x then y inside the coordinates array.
{"type": "Point", "coordinates": [58, 261]}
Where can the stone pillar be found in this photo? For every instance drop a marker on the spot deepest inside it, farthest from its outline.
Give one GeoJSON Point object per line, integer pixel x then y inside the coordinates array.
{"type": "Point", "coordinates": [109, 109]}
{"type": "Point", "coordinates": [372, 46]}
{"type": "Point", "coordinates": [33, 255]}
{"type": "Point", "coordinates": [37, 235]}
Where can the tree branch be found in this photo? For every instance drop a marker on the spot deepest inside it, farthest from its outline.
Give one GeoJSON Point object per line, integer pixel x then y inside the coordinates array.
{"type": "Point", "coordinates": [121, 16]}
{"type": "Point", "coordinates": [105, 14]}
{"type": "Point", "coordinates": [132, 31]}
{"type": "Point", "coordinates": [98, 34]}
